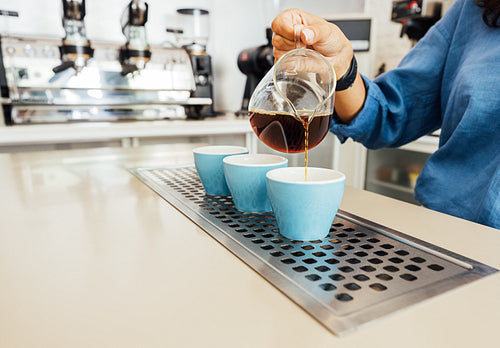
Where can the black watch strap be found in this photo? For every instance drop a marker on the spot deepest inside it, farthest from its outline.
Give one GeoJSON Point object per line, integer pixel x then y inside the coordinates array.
{"type": "Point", "coordinates": [348, 79]}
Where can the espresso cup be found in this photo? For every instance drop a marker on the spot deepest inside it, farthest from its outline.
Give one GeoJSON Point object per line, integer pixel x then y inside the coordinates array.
{"type": "Point", "coordinates": [208, 163]}
{"type": "Point", "coordinates": [246, 179]}
{"type": "Point", "coordinates": [305, 209]}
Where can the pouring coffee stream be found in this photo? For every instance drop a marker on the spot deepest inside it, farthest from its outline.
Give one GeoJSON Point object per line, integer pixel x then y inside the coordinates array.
{"type": "Point", "coordinates": [297, 93]}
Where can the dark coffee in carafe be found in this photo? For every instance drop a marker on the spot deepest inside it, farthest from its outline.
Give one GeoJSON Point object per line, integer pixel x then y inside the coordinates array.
{"type": "Point", "coordinates": [285, 133]}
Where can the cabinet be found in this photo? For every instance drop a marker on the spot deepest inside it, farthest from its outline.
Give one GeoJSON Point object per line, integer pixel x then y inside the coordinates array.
{"type": "Point", "coordinates": [393, 172]}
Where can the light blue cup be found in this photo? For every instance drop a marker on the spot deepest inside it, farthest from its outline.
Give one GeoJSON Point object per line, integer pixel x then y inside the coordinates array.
{"type": "Point", "coordinates": [208, 163]}
{"type": "Point", "coordinates": [304, 210]}
{"type": "Point", "coordinates": [246, 179]}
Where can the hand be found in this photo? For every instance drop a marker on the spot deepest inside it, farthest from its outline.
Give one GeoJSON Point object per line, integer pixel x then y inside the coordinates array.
{"type": "Point", "coordinates": [317, 34]}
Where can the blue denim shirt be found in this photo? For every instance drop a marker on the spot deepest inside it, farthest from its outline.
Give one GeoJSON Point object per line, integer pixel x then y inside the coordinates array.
{"type": "Point", "coordinates": [449, 80]}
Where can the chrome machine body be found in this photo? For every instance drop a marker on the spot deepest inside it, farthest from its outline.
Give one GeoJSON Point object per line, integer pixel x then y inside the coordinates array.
{"type": "Point", "coordinates": [44, 81]}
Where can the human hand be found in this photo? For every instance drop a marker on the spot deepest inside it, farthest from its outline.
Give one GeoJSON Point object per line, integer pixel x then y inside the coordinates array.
{"type": "Point", "coordinates": [318, 34]}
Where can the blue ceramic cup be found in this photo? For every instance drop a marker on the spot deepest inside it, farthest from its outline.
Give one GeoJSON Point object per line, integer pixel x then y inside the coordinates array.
{"type": "Point", "coordinates": [304, 210]}
{"type": "Point", "coordinates": [246, 179]}
{"type": "Point", "coordinates": [208, 163]}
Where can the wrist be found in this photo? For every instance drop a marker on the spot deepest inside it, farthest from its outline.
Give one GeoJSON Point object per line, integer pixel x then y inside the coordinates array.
{"type": "Point", "coordinates": [347, 80]}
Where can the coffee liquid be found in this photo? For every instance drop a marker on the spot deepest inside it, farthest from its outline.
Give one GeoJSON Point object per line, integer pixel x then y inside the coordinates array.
{"type": "Point", "coordinates": [285, 133]}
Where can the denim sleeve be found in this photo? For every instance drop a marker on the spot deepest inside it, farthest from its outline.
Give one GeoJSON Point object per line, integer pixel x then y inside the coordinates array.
{"type": "Point", "coordinates": [404, 104]}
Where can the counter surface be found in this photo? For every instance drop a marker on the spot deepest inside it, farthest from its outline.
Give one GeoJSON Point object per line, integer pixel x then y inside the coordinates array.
{"type": "Point", "coordinates": [90, 256]}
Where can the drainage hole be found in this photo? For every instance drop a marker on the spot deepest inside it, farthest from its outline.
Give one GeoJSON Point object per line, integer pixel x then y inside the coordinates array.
{"type": "Point", "coordinates": [276, 253]}
{"type": "Point", "coordinates": [241, 230]}
{"type": "Point", "coordinates": [353, 261]}
{"type": "Point", "coordinates": [360, 234]}
{"type": "Point", "coordinates": [375, 261]}
{"type": "Point", "coordinates": [227, 221]}
{"type": "Point", "coordinates": [373, 240]}
{"type": "Point", "coordinates": [361, 277]}
{"type": "Point", "coordinates": [384, 276]}
{"type": "Point", "coordinates": [327, 287]}
{"type": "Point", "coordinates": [249, 235]}
{"type": "Point", "coordinates": [299, 269]}
{"type": "Point", "coordinates": [332, 261]}
{"type": "Point", "coordinates": [307, 247]}
{"type": "Point", "coordinates": [243, 221]}
{"type": "Point", "coordinates": [221, 216]}
{"type": "Point", "coordinates": [267, 235]}
{"type": "Point", "coordinates": [378, 287]}
{"type": "Point", "coordinates": [288, 261]}
{"type": "Point", "coordinates": [353, 240]}
{"type": "Point", "coordinates": [276, 241]}
{"type": "Point", "coordinates": [336, 277]}
{"type": "Point", "coordinates": [259, 230]}
{"type": "Point", "coordinates": [391, 268]}
{"type": "Point", "coordinates": [338, 224]}
{"type": "Point", "coordinates": [435, 267]}
{"type": "Point", "coordinates": [269, 226]}
{"type": "Point", "coordinates": [368, 268]}
{"type": "Point", "coordinates": [387, 246]}
{"type": "Point", "coordinates": [251, 225]}
{"type": "Point", "coordinates": [366, 246]}
{"type": "Point", "coordinates": [286, 247]}
{"type": "Point", "coordinates": [309, 261]}
{"type": "Point", "coordinates": [349, 229]}
{"type": "Point", "coordinates": [408, 277]}
{"type": "Point", "coordinates": [267, 247]}
{"type": "Point", "coordinates": [380, 253]}
{"type": "Point", "coordinates": [346, 269]}
{"type": "Point", "coordinates": [293, 241]}
{"type": "Point", "coordinates": [343, 297]}
{"type": "Point", "coordinates": [234, 225]}
{"type": "Point", "coordinates": [319, 254]}
{"type": "Point", "coordinates": [214, 213]}
{"type": "Point", "coordinates": [341, 235]}
{"type": "Point", "coordinates": [339, 253]}
{"type": "Point", "coordinates": [326, 247]}
{"type": "Point", "coordinates": [352, 286]}
{"type": "Point", "coordinates": [322, 268]}
{"type": "Point", "coordinates": [413, 268]}
{"type": "Point", "coordinates": [401, 252]}
{"type": "Point", "coordinates": [297, 253]}
{"type": "Point", "coordinates": [395, 260]}
{"type": "Point", "coordinates": [313, 277]}
{"type": "Point", "coordinates": [360, 253]}
{"type": "Point", "coordinates": [418, 259]}
{"type": "Point", "coordinates": [257, 241]}
{"type": "Point", "coordinates": [334, 241]}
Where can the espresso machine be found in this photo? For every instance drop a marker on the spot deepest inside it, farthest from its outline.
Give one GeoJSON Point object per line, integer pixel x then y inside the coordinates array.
{"type": "Point", "coordinates": [46, 80]}
{"type": "Point", "coordinates": [416, 17]}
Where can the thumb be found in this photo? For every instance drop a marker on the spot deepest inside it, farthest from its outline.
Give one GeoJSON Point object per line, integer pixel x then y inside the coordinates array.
{"type": "Point", "coordinates": [324, 37]}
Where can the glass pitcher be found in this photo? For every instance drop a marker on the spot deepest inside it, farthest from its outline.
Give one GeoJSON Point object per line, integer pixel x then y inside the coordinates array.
{"type": "Point", "coordinates": [291, 108]}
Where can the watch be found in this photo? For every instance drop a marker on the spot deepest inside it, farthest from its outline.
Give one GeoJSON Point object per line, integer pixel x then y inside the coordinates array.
{"type": "Point", "coordinates": [348, 79]}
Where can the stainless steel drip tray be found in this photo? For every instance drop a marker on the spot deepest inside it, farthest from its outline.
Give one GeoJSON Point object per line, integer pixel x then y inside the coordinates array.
{"type": "Point", "coordinates": [360, 272]}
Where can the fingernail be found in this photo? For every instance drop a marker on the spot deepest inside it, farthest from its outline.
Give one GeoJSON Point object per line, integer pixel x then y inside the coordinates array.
{"type": "Point", "coordinates": [309, 34]}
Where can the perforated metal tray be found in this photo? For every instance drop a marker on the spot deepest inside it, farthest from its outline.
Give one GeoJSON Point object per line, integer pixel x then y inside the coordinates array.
{"type": "Point", "coordinates": [359, 272]}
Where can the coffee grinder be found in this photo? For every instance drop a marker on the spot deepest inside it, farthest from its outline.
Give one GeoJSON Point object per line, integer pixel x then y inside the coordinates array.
{"type": "Point", "coordinates": [75, 49]}
{"type": "Point", "coordinates": [195, 37]}
{"type": "Point", "coordinates": [255, 62]}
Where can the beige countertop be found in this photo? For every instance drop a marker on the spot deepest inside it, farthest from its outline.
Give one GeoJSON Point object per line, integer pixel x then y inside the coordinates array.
{"type": "Point", "coordinates": [91, 257]}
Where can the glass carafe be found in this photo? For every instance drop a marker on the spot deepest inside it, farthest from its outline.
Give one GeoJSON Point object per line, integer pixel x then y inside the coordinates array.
{"type": "Point", "coordinates": [291, 108]}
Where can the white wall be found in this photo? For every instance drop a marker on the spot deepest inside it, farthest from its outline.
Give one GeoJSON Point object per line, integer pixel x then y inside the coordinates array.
{"type": "Point", "coordinates": [234, 26]}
